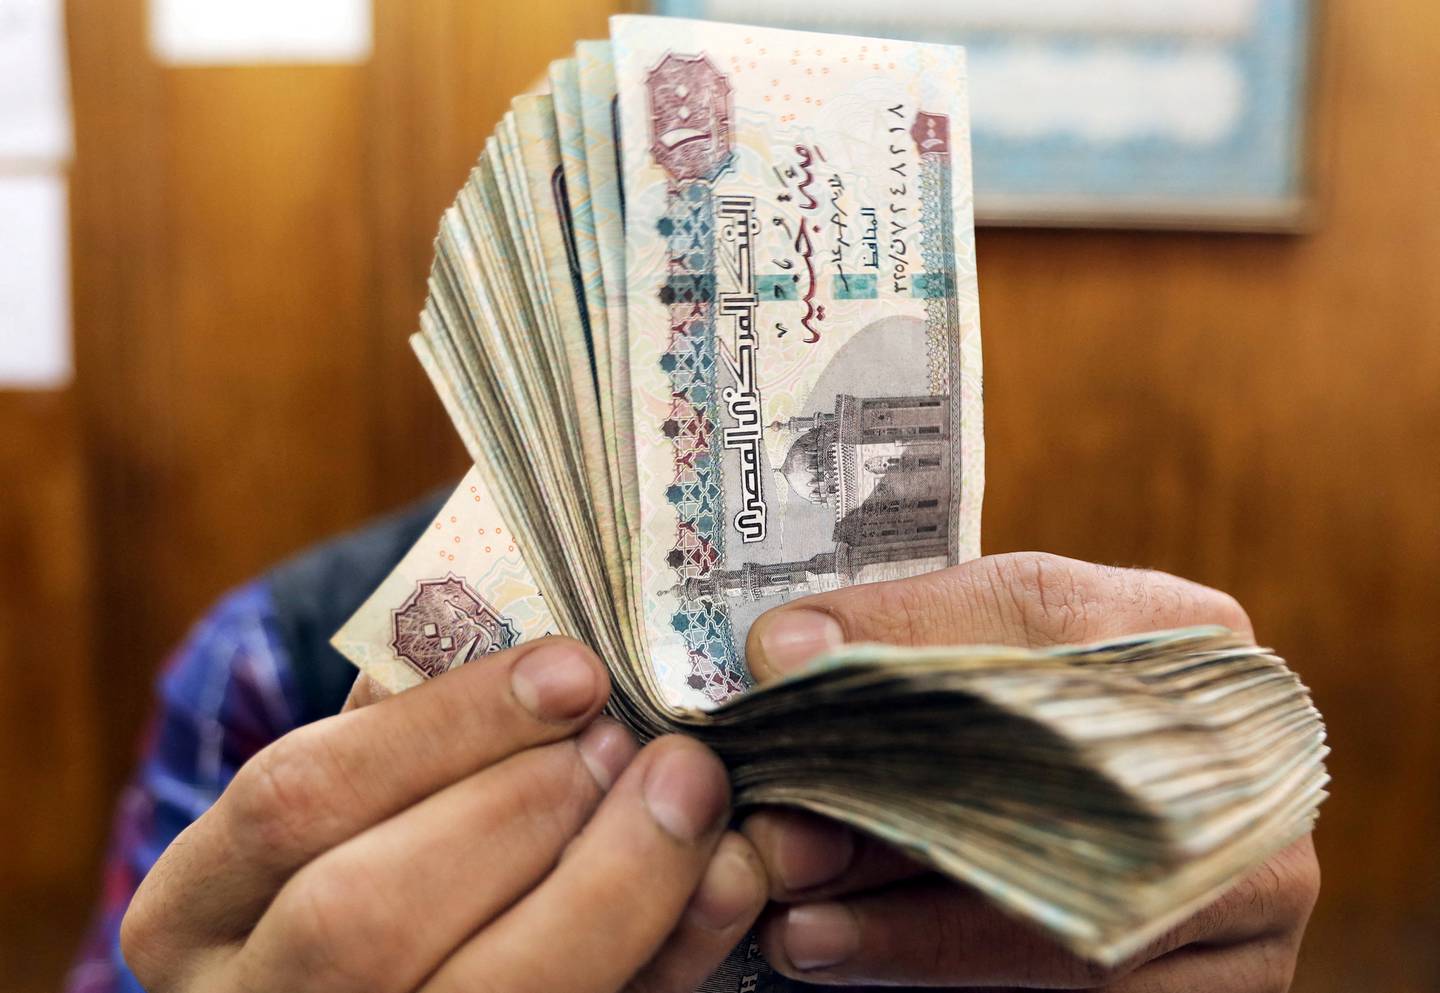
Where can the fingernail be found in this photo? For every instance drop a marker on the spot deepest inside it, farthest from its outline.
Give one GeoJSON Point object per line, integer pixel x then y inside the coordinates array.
{"type": "Point", "coordinates": [812, 852]}
{"type": "Point", "coordinates": [555, 682]}
{"type": "Point", "coordinates": [687, 792]}
{"type": "Point", "coordinates": [606, 748]}
{"type": "Point", "coordinates": [792, 638]}
{"type": "Point", "coordinates": [731, 889]}
{"type": "Point", "coordinates": [820, 935]}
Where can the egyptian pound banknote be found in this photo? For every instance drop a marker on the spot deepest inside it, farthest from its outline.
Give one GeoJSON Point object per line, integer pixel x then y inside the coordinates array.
{"type": "Point", "coordinates": [804, 335]}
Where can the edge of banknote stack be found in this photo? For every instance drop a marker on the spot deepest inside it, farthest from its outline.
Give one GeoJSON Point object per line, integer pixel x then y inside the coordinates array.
{"type": "Point", "coordinates": [1102, 792]}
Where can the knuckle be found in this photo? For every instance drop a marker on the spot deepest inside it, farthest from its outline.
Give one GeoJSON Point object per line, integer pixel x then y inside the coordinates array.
{"type": "Point", "coordinates": [1166, 601]}
{"type": "Point", "coordinates": [1230, 613]}
{"type": "Point", "coordinates": [1048, 596]}
{"type": "Point", "coordinates": [290, 792]}
{"type": "Point", "coordinates": [149, 939]}
{"type": "Point", "coordinates": [1212, 919]}
{"type": "Point", "coordinates": [270, 795]}
{"type": "Point", "coordinates": [1266, 890]}
{"type": "Point", "coordinates": [1296, 873]}
{"type": "Point", "coordinates": [1055, 600]}
{"type": "Point", "coordinates": [331, 927]}
{"type": "Point", "coordinates": [1263, 897]}
{"type": "Point", "coordinates": [1275, 970]}
{"type": "Point", "coordinates": [1032, 598]}
{"type": "Point", "coordinates": [140, 934]}
{"type": "Point", "coordinates": [1309, 888]}
{"type": "Point", "coordinates": [1197, 604]}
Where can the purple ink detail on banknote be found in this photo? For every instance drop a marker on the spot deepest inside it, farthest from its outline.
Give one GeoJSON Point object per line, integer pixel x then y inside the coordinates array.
{"type": "Point", "coordinates": [690, 108]}
{"type": "Point", "coordinates": [445, 623]}
{"type": "Point", "coordinates": [931, 133]}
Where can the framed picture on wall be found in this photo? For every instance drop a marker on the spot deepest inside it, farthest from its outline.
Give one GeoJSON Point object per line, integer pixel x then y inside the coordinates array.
{"type": "Point", "coordinates": [1124, 113]}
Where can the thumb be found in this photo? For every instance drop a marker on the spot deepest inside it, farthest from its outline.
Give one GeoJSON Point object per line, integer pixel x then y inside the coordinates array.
{"type": "Point", "coordinates": [1027, 599]}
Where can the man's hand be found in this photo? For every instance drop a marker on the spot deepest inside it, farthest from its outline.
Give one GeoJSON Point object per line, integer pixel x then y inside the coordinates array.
{"type": "Point", "coordinates": [854, 911]}
{"type": "Point", "coordinates": [483, 832]}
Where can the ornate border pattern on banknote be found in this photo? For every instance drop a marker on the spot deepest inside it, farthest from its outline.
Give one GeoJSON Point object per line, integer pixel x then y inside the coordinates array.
{"type": "Point", "coordinates": [690, 140]}
{"type": "Point", "coordinates": [698, 152]}
{"type": "Point", "coordinates": [937, 253]}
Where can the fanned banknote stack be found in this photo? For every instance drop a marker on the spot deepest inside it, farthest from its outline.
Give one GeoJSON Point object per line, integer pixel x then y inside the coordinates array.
{"type": "Point", "coordinates": [706, 317]}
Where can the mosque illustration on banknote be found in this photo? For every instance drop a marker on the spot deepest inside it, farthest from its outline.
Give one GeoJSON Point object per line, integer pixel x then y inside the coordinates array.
{"type": "Point", "coordinates": [882, 465]}
{"type": "Point", "coordinates": [868, 487]}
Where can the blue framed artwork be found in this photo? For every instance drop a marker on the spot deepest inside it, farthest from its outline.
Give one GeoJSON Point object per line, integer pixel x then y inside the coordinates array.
{"type": "Point", "coordinates": [1168, 113]}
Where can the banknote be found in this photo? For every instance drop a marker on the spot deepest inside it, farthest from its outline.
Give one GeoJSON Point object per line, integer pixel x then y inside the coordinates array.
{"type": "Point", "coordinates": [599, 113]}
{"type": "Point", "coordinates": [803, 323]}
{"type": "Point", "coordinates": [461, 593]}
{"type": "Point", "coordinates": [583, 243]}
{"type": "Point", "coordinates": [705, 317]}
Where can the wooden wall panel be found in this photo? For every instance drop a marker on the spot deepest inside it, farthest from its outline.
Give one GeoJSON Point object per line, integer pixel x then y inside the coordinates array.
{"type": "Point", "coordinates": [50, 790]}
{"type": "Point", "coordinates": [251, 246]}
{"type": "Point", "coordinates": [443, 75]}
{"type": "Point", "coordinates": [225, 326]}
{"type": "Point", "coordinates": [45, 640]}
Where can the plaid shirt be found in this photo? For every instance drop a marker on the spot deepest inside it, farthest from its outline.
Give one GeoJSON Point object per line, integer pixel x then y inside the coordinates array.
{"type": "Point", "coordinates": [228, 692]}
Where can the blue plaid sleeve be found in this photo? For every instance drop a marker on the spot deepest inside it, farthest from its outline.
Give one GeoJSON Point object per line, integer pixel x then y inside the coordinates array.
{"type": "Point", "coordinates": [226, 693]}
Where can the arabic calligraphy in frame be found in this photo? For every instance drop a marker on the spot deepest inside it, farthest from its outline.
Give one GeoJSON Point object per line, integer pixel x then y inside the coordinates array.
{"type": "Point", "coordinates": [738, 228]}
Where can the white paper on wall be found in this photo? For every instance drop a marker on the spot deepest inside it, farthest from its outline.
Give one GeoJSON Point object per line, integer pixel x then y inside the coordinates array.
{"type": "Point", "coordinates": [231, 32]}
{"type": "Point", "coordinates": [35, 350]}
{"type": "Point", "coordinates": [1175, 18]}
{"type": "Point", "coordinates": [34, 90]}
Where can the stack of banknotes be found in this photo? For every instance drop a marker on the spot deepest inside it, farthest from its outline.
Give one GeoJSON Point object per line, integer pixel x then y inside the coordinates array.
{"type": "Point", "coordinates": [705, 315]}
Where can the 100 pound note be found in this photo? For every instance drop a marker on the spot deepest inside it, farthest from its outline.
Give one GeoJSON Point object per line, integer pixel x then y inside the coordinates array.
{"type": "Point", "coordinates": [803, 325]}
{"type": "Point", "coordinates": [462, 592]}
